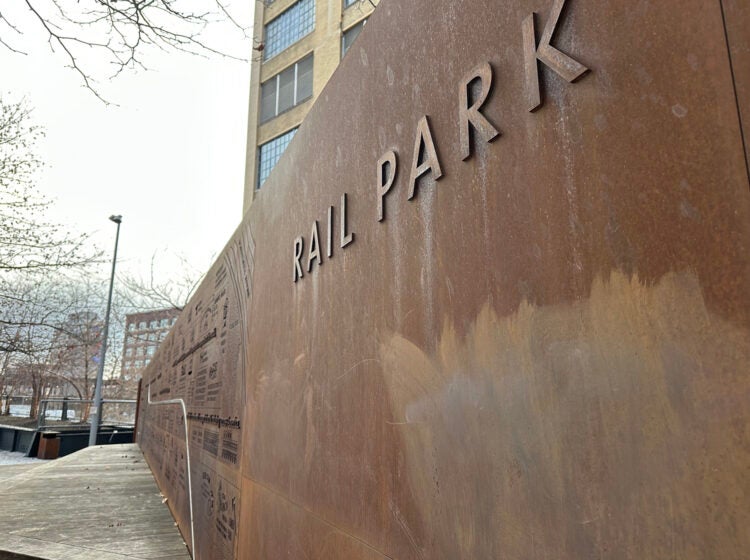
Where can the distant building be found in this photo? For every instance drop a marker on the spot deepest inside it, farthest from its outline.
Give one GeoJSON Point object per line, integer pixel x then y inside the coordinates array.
{"type": "Point", "coordinates": [302, 43]}
{"type": "Point", "coordinates": [143, 334]}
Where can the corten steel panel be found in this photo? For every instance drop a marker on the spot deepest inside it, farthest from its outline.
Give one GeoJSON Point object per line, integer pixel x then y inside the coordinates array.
{"type": "Point", "coordinates": [737, 23]}
{"type": "Point", "coordinates": [202, 362]}
{"type": "Point", "coordinates": [542, 354]}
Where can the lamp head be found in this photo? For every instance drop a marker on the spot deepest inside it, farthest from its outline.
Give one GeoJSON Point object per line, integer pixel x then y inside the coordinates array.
{"type": "Point", "coordinates": [116, 218]}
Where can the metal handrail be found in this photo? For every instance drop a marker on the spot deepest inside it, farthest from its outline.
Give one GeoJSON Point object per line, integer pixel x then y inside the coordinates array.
{"type": "Point", "coordinates": [42, 413]}
{"type": "Point", "coordinates": [63, 399]}
{"type": "Point", "coordinates": [181, 402]}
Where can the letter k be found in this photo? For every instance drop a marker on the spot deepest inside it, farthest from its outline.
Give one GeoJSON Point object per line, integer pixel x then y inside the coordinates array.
{"type": "Point", "coordinates": [560, 62]}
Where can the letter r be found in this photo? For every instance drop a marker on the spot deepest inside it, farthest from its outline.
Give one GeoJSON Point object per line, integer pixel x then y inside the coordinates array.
{"type": "Point", "coordinates": [299, 245]}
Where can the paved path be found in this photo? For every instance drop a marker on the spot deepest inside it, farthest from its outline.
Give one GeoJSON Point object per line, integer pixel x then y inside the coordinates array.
{"type": "Point", "coordinates": [100, 503]}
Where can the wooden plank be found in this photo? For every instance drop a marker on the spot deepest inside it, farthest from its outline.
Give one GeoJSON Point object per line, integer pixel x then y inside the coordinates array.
{"type": "Point", "coordinates": [101, 502]}
{"type": "Point", "coordinates": [10, 471]}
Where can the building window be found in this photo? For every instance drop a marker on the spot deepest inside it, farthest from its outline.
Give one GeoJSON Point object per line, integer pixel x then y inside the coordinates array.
{"type": "Point", "coordinates": [142, 325]}
{"type": "Point", "coordinates": [164, 323]}
{"type": "Point", "coordinates": [349, 35]}
{"type": "Point", "coordinates": [293, 24]}
{"type": "Point", "coordinates": [286, 89]}
{"type": "Point", "coordinates": [270, 152]}
{"type": "Point", "coordinates": [129, 352]}
{"type": "Point", "coordinates": [131, 326]}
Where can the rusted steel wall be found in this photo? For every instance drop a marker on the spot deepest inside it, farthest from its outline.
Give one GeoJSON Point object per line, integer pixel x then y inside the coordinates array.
{"type": "Point", "coordinates": [737, 23]}
{"type": "Point", "coordinates": [532, 343]}
{"type": "Point", "coordinates": [203, 362]}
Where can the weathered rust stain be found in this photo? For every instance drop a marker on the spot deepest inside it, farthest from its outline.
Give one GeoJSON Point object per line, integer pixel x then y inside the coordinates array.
{"type": "Point", "coordinates": [522, 441]}
{"type": "Point", "coordinates": [737, 28]}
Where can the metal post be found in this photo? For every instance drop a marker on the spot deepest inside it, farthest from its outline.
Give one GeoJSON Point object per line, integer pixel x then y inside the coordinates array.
{"type": "Point", "coordinates": [96, 413]}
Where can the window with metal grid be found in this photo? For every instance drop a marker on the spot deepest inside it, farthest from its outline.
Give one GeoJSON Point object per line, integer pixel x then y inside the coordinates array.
{"type": "Point", "coordinates": [293, 24]}
{"type": "Point", "coordinates": [287, 89]}
{"type": "Point", "coordinates": [269, 154]}
{"type": "Point", "coordinates": [349, 35]}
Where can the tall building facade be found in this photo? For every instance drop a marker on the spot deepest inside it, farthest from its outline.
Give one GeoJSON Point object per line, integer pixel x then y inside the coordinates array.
{"type": "Point", "coordinates": [143, 334]}
{"type": "Point", "coordinates": [299, 44]}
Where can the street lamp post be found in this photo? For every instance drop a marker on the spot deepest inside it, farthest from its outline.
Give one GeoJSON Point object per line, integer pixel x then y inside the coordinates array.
{"type": "Point", "coordinates": [96, 410]}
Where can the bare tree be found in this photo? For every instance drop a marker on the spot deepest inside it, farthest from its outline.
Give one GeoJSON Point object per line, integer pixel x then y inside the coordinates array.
{"type": "Point", "coordinates": [27, 332]}
{"type": "Point", "coordinates": [120, 32]}
{"type": "Point", "coordinates": [146, 293]}
{"type": "Point", "coordinates": [51, 327]}
{"type": "Point", "coordinates": [28, 241]}
{"type": "Point", "coordinates": [50, 336]}
{"type": "Point", "coordinates": [31, 247]}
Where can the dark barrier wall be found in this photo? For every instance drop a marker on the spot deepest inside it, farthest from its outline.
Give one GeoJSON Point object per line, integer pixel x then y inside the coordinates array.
{"type": "Point", "coordinates": [494, 301]}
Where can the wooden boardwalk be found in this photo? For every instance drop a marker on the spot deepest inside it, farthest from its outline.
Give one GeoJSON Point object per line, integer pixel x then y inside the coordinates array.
{"type": "Point", "coordinates": [100, 503]}
{"type": "Point", "coordinates": [8, 472]}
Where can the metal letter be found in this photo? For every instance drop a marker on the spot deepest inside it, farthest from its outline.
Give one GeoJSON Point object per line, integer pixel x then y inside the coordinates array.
{"type": "Point", "coordinates": [314, 251]}
{"type": "Point", "coordinates": [299, 245]}
{"type": "Point", "coordinates": [384, 185]}
{"type": "Point", "coordinates": [345, 238]}
{"type": "Point", "coordinates": [562, 64]}
{"type": "Point", "coordinates": [329, 252]}
{"type": "Point", "coordinates": [471, 115]}
{"type": "Point", "coordinates": [431, 162]}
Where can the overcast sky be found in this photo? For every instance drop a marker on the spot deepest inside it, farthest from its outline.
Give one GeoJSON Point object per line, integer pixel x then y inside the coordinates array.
{"type": "Point", "coordinates": [170, 157]}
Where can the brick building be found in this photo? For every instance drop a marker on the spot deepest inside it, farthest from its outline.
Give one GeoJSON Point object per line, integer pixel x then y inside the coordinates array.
{"type": "Point", "coordinates": [143, 334]}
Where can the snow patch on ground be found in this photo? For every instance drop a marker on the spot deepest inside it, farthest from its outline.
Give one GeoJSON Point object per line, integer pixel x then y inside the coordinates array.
{"type": "Point", "coordinates": [16, 458]}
